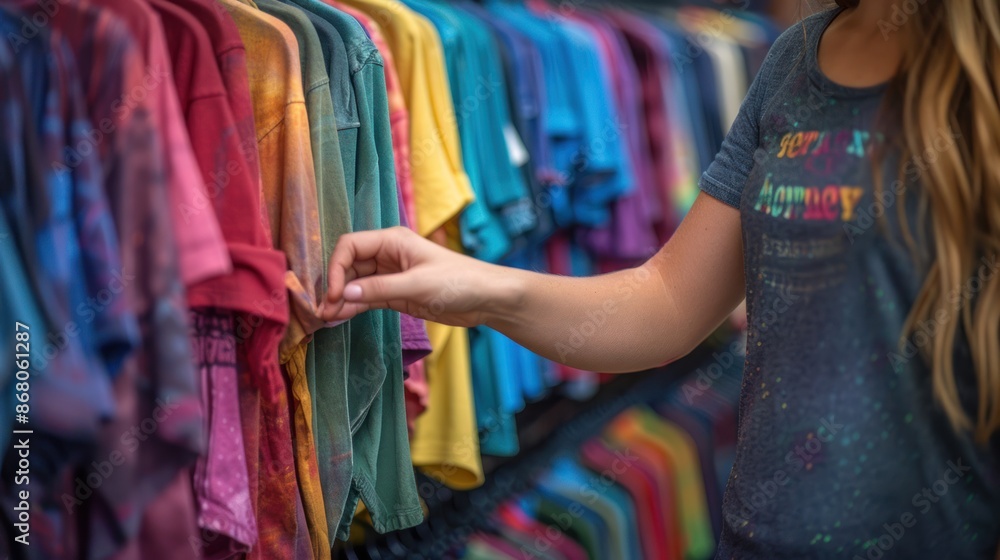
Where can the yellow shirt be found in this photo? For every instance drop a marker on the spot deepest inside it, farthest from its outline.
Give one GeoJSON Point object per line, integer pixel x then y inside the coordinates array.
{"type": "Point", "coordinates": [445, 442]}
{"type": "Point", "coordinates": [441, 188]}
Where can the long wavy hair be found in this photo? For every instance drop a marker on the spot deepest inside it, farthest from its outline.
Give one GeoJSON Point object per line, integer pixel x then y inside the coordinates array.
{"type": "Point", "coordinates": [949, 82]}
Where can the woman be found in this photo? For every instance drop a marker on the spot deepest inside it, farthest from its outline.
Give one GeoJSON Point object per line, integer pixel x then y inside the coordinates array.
{"type": "Point", "coordinates": [855, 204]}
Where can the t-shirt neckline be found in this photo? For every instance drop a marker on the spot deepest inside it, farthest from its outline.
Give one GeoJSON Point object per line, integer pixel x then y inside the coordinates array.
{"type": "Point", "coordinates": [824, 83]}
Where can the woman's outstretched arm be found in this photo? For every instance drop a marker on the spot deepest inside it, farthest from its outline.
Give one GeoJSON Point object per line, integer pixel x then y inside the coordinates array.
{"type": "Point", "coordinates": [624, 321]}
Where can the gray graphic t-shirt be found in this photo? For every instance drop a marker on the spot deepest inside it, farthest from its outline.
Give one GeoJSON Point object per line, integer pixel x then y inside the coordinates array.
{"type": "Point", "coordinates": [842, 451]}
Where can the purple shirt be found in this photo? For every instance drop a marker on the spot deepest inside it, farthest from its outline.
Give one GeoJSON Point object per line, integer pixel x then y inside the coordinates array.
{"type": "Point", "coordinates": [652, 63]}
{"type": "Point", "coordinates": [412, 332]}
{"type": "Point", "coordinates": [630, 235]}
{"type": "Point", "coordinates": [221, 482]}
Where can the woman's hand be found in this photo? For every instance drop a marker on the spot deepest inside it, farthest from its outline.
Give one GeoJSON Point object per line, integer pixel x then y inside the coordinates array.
{"type": "Point", "coordinates": [624, 321]}
{"type": "Point", "coordinates": [397, 269]}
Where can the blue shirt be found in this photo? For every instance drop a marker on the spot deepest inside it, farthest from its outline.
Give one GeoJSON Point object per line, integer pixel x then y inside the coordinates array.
{"type": "Point", "coordinates": [563, 125]}
{"type": "Point", "coordinates": [75, 243]}
{"type": "Point", "coordinates": [603, 171]}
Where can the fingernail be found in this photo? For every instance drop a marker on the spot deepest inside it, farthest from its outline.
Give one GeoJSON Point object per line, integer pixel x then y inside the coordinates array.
{"type": "Point", "coordinates": [352, 292]}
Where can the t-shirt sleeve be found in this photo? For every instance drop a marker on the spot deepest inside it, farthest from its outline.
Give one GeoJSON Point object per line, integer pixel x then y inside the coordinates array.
{"type": "Point", "coordinates": [727, 174]}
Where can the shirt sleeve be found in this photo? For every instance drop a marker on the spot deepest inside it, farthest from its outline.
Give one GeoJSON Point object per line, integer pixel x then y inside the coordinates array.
{"type": "Point", "coordinates": [727, 174]}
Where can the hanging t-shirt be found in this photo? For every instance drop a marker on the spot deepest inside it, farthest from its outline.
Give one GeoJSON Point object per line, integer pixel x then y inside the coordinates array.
{"type": "Point", "coordinates": [329, 369]}
{"type": "Point", "coordinates": [589, 490]}
{"type": "Point", "coordinates": [25, 209]}
{"type": "Point", "coordinates": [629, 472]}
{"type": "Point", "coordinates": [163, 372]}
{"type": "Point", "coordinates": [441, 188]}
{"type": "Point", "coordinates": [327, 174]}
{"type": "Point", "coordinates": [221, 485]}
{"type": "Point", "coordinates": [621, 435]}
{"type": "Point", "coordinates": [413, 333]}
{"type": "Point", "coordinates": [688, 89]}
{"type": "Point", "coordinates": [331, 108]}
{"type": "Point", "coordinates": [698, 538]}
{"type": "Point", "coordinates": [445, 442]}
{"type": "Point", "coordinates": [69, 229]}
{"type": "Point", "coordinates": [521, 65]}
{"type": "Point", "coordinates": [220, 123]}
{"type": "Point", "coordinates": [600, 170]}
{"type": "Point", "coordinates": [382, 476]}
{"type": "Point", "coordinates": [667, 137]}
{"type": "Point", "coordinates": [289, 188]}
{"type": "Point", "coordinates": [588, 528]}
{"type": "Point", "coordinates": [629, 237]}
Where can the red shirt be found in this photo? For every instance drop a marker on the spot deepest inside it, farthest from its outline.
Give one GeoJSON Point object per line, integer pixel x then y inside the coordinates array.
{"type": "Point", "coordinates": [214, 90]}
{"type": "Point", "coordinates": [202, 40]}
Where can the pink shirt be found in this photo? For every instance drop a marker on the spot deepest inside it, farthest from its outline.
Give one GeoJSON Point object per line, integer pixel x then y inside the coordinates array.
{"type": "Point", "coordinates": [201, 247]}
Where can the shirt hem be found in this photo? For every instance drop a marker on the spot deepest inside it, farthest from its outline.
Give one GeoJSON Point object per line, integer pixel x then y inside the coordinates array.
{"type": "Point", "coordinates": [719, 191]}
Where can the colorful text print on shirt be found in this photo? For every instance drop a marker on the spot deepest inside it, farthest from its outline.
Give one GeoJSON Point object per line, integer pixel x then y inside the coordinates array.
{"type": "Point", "coordinates": [820, 153]}
{"type": "Point", "coordinates": [852, 142]}
{"type": "Point", "coordinates": [795, 202]}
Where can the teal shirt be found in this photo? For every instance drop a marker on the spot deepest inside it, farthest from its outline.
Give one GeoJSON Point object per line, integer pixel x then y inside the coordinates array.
{"type": "Point", "coordinates": [345, 106]}
{"type": "Point", "coordinates": [506, 191]}
{"type": "Point", "coordinates": [382, 471]}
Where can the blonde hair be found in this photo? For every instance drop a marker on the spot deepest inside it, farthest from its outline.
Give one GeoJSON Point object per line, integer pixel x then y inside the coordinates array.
{"type": "Point", "coordinates": [949, 83]}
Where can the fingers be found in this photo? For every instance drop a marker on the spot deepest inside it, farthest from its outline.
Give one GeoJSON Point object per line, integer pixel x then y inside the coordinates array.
{"type": "Point", "coordinates": [362, 268]}
{"type": "Point", "coordinates": [380, 289]}
{"type": "Point", "coordinates": [334, 314]}
{"type": "Point", "coordinates": [390, 291]}
{"type": "Point", "coordinates": [356, 253]}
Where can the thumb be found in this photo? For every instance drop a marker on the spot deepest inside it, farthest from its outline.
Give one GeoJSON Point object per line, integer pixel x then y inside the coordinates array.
{"type": "Point", "coordinates": [379, 289]}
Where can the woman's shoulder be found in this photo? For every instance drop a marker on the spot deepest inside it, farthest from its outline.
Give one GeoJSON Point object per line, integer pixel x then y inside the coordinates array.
{"type": "Point", "coordinates": [790, 48]}
{"type": "Point", "coordinates": [793, 40]}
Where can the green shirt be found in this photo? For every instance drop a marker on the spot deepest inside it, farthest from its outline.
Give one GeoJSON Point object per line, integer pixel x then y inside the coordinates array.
{"type": "Point", "coordinates": [382, 471]}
